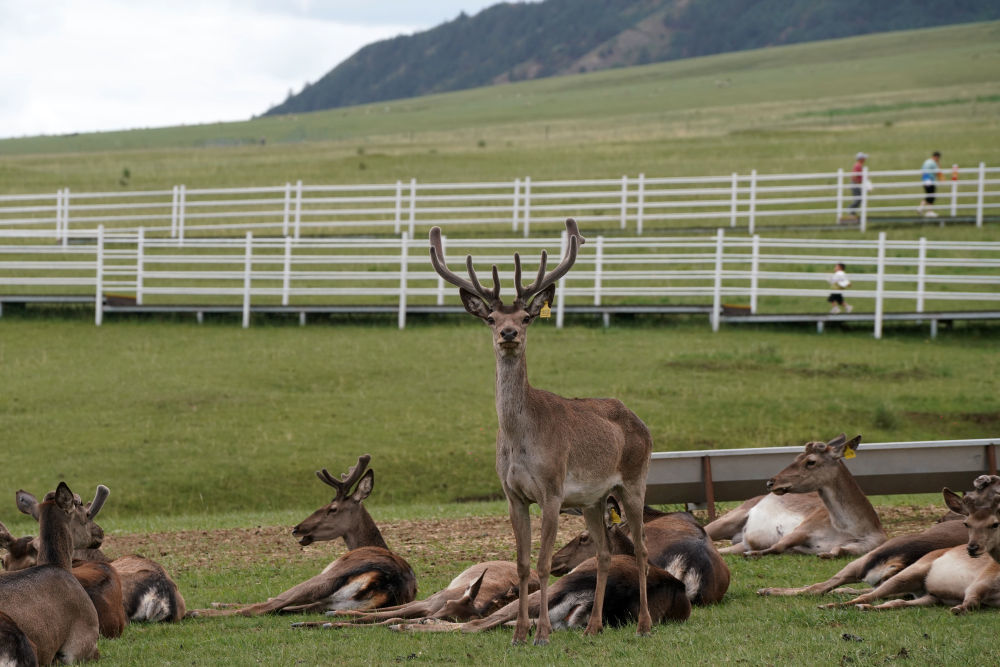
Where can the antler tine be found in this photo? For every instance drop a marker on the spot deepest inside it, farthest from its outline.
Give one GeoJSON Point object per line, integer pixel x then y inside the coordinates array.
{"type": "Point", "coordinates": [544, 280]}
{"type": "Point", "coordinates": [325, 477]}
{"type": "Point", "coordinates": [474, 287]}
{"type": "Point", "coordinates": [354, 474]}
{"type": "Point", "coordinates": [100, 496]}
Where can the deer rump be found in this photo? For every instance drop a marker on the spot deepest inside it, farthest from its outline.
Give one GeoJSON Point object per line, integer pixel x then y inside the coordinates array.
{"type": "Point", "coordinates": [148, 592]}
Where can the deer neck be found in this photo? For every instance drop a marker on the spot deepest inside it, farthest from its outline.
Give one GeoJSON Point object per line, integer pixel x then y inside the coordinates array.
{"type": "Point", "coordinates": [512, 392]}
{"type": "Point", "coordinates": [54, 543]}
{"type": "Point", "coordinates": [366, 534]}
{"type": "Point", "coordinates": [847, 504]}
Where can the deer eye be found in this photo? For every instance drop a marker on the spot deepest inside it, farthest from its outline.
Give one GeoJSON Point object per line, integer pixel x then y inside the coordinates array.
{"type": "Point", "coordinates": [810, 463]}
{"type": "Point", "coordinates": [490, 321]}
{"type": "Point", "coordinates": [995, 526]}
{"type": "Point", "coordinates": [527, 319]}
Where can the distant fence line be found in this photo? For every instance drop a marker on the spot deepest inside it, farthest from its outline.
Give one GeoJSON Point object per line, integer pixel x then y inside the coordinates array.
{"type": "Point", "coordinates": [124, 271]}
{"type": "Point", "coordinates": [637, 205]}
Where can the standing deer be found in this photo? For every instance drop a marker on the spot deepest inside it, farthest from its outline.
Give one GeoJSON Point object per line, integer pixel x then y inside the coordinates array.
{"type": "Point", "coordinates": [46, 602]}
{"type": "Point", "coordinates": [368, 576]}
{"type": "Point", "coordinates": [676, 543]}
{"type": "Point", "coordinates": [845, 524]}
{"type": "Point", "coordinates": [554, 451]}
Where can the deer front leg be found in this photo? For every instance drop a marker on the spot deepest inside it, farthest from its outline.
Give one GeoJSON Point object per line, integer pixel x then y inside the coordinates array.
{"type": "Point", "coordinates": [909, 580]}
{"type": "Point", "coordinates": [632, 502]}
{"type": "Point", "coordinates": [550, 524]}
{"type": "Point", "coordinates": [595, 527]}
{"type": "Point", "coordinates": [792, 541]}
{"type": "Point", "coordinates": [520, 521]}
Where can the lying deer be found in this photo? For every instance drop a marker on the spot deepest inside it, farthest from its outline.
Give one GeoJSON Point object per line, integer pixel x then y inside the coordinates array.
{"type": "Point", "coordinates": [477, 592]}
{"type": "Point", "coordinates": [368, 576]}
{"type": "Point", "coordinates": [958, 576]}
{"type": "Point", "coordinates": [571, 602]}
{"type": "Point", "coordinates": [147, 591]}
{"type": "Point", "coordinates": [554, 451]}
{"type": "Point", "coordinates": [46, 602]}
{"type": "Point", "coordinates": [676, 542]}
{"type": "Point", "coordinates": [845, 524]}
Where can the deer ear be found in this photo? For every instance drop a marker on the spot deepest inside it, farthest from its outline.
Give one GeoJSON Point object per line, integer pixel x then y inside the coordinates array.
{"type": "Point", "coordinates": [6, 539]}
{"type": "Point", "coordinates": [27, 503]}
{"type": "Point", "coordinates": [474, 305]}
{"type": "Point", "coordinates": [64, 498]}
{"type": "Point", "coordinates": [546, 296]}
{"type": "Point", "coordinates": [364, 486]}
{"type": "Point", "coordinates": [473, 590]}
{"type": "Point", "coordinates": [953, 501]}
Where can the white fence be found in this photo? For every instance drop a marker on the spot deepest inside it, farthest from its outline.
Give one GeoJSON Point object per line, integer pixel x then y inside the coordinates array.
{"type": "Point", "coordinates": [652, 274]}
{"type": "Point", "coordinates": [639, 205]}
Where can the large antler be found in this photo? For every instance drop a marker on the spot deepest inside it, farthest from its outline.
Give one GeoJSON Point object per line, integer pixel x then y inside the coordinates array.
{"type": "Point", "coordinates": [347, 480]}
{"type": "Point", "coordinates": [543, 280]}
{"type": "Point", "coordinates": [473, 286]}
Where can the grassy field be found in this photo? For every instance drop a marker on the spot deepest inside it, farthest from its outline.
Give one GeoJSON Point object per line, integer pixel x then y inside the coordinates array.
{"type": "Point", "coordinates": [797, 108]}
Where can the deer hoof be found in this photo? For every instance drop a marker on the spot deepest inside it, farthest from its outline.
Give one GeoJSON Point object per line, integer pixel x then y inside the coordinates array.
{"type": "Point", "coordinates": [958, 610]}
{"type": "Point", "coordinates": [541, 642]}
{"type": "Point", "coordinates": [864, 607]}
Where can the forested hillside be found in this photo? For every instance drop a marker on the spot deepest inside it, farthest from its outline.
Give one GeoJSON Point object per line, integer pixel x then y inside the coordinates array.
{"type": "Point", "coordinates": [517, 41]}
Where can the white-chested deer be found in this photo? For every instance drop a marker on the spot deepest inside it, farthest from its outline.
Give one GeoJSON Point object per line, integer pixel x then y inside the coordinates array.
{"type": "Point", "coordinates": [46, 602]}
{"type": "Point", "coordinates": [676, 542]}
{"type": "Point", "coordinates": [964, 577]}
{"type": "Point", "coordinates": [845, 524]}
{"type": "Point", "coordinates": [478, 591]}
{"type": "Point", "coordinates": [550, 450]}
{"type": "Point", "coordinates": [367, 577]}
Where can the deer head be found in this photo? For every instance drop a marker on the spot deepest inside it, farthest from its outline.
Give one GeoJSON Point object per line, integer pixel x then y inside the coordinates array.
{"type": "Point", "coordinates": [345, 512]}
{"type": "Point", "coordinates": [508, 322]}
{"type": "Point", "coordinates": [84, 532]}
{"type": "Point", "coordinates": [981, 518]}
{"type": "Point", "coordinates": [815, 467]}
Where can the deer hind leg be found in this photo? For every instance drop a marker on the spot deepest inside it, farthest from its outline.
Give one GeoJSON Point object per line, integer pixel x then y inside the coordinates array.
{"type": "Point", "coordinates": [520, 521]}
{"type": "Point", "coordinates": [550, 524]}
{"type": "Point", "coordinates": [851, 573]}
{"type": "Point", "coordinates": [910, 580]}
{"type": "Point", "coordinates": [595, 527]}
{"type": "Point", "coordinates": [632, 501]}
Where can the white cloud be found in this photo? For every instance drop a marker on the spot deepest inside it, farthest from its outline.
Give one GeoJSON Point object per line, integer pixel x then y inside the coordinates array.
{"type": "Point", "coordinates": [79, 66]}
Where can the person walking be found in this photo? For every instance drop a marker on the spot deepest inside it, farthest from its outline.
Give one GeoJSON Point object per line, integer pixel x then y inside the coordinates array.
{"type": "Point", "coordinates": [857, 182]}
{"type": "Point", "coordinates": [930, 174]}
{"type": "Point", "coordinates": [839, 281]}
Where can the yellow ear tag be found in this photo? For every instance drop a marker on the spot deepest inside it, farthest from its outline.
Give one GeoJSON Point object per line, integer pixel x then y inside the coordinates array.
{"type": "Point", "coordinates": [546, 312]}
{"type": "Point", "coordinates": [849, 453]}
{"type": "Point", "coordinates": [615, 519]}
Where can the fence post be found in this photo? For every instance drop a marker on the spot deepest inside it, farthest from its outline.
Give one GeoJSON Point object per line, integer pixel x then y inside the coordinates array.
{"type": "Point", "coordinates": [624, 212]}
{"type": "Point", "coordinates": [752, 213]}
{"type": "Point", "coordinates": [863, 222]}
{"type": "Point", "coordinates": [413, 204]}
{"type": "Point", "coordinates": [734, 198]}
{"type": "Point", "coordinates": [140, 264]}
{"type": "Point", "coordinates": [717, 287]}
{"type": "Point", "coordinates": [980, 194]}
{"type": "Point", "coordinates": [599, 275]}
{"type": "Point", "coordinates": [440, 286]}
{"type": "Point", "coordinates": [247, 273]}
{"type": "Point", "coordinates": [399, 207]}
{"type": "Point", "coordinates": [921, 272]}
{"type": "Point", "coordinates": [840, 194]}
{"type": "Point", "coordinates": [286, 273]}
{"type": "Point", "coordinates": [954, 190]}
{"type": "Point", "coordinates": [527, 205]}
{"type": "Point", "coordinates": [513, 206]}
{"type": "Point", "coordinates": [403, 260]}
{"type": "Point", "coordinates": [66, 206]}
{"type": "Point", "coordinates": [561, 288]}
{"type": "Point", "coordinates": [99, 278]}
{"type": "Point", "coordinates": [286, 217]}
{"type": "Point", "coordinates": [298, 208]}
{"type": "Point", "coordinates": [181, 205]}
{"type": "Point", "coordinates": [174, 202]}
{"type": "Point", "coordinates": [880, 286]}
{"type": "Point", "coordinates": [640, 203]}
{"type": "Point", "coordinates": [754, 271]}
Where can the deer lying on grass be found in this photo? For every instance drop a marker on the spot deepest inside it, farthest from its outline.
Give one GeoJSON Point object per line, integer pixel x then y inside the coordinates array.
{"type": "Point", "coordinates": [676, 543]}
{"type": "Point", "coordinates": [571, 602]}
{"type": "Point", "coordinates": [477, 592]}
{"type": "Point", "coordinates": [845, 524]}
{"type": "Point", "coordinates": [368, 576]}
{"type": "Point", "coordinates": [958, 576]}
{"type": "Point", "coordinates": [554, 451]}
{"type": "Point", "coordinates": [46, 602]}
{"type": "Point", "coordinates": [148, 594]}
{"type": "Point", "coordinates": [16, 650]}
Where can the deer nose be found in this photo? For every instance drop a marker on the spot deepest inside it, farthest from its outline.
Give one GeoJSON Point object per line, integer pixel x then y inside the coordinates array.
{"type": "Point", "coordinates": [973, 549]}
{"type": "Point", "coordinates": [770, 484]}
{"type": "Point", "coordinates": [508, 333]}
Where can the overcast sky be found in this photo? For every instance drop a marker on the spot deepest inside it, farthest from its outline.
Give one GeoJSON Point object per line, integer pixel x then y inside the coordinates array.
{"type": "Point", "coordinates": [85, 65]}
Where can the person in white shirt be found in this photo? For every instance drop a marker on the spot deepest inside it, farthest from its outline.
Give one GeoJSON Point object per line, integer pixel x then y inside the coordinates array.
{"type": "Point", "coordinates": [839, 281]}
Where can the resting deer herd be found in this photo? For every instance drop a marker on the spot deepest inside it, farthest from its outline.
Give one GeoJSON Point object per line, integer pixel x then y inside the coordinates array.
{"type": "Point", "coordinates": [633, 564]}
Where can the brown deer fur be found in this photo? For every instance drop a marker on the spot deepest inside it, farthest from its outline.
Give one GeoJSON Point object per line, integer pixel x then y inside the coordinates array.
{"type": "Point", "coordinates": [16, 650]}
{"type": "Point", "coordinates": [554, 451]}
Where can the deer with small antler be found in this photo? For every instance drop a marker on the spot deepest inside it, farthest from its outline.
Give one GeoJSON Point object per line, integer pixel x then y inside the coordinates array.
{"type": "Point", "coordinates": [367, 577]}
{"type": "Point", "coordinates": [550, 450]}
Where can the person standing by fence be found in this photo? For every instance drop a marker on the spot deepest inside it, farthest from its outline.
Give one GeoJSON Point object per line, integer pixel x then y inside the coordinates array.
{"type": "Point", "coordinates": [930, 174]}
{"type": "Point", "coordinates": [839, 281]}
{"type": "Point", "coordinates": [857, 178]}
